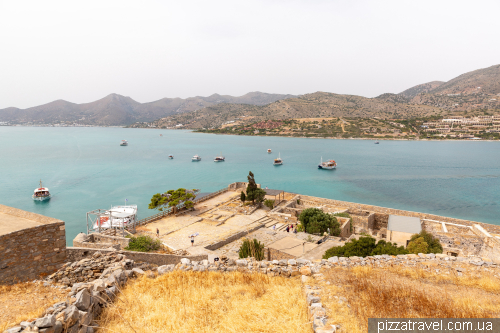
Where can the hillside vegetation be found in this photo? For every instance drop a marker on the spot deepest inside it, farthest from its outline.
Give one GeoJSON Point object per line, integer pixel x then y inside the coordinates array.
{"type": "Point", "coordinates": [117, 110]}
{"type": "Point", "coordinates": [473, 91]}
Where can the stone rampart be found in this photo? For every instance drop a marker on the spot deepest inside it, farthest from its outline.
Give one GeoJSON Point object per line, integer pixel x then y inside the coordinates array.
{"type": "Point", "coordinates": [230, 239]}
{"type": "Point", "coordinates": [32, 252]}
{"type": "Point", "coordinates": [78, 253]}
{"type": "Point", "coordinates": [273, 254]}
{"type": "Point", "coordinates": [379, 220]}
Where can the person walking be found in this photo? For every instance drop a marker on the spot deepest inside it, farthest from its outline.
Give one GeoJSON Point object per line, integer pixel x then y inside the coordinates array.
{"type": "Point", "coordinates": [192, 239]}
{"type": "Point", "coordinates": [157, 232]}
{"type": "Point", "coordinates": [287, 228]}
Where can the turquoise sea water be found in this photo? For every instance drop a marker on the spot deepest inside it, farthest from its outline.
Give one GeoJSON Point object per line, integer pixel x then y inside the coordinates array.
{"type": "Point", "coordinates": [86, 169]}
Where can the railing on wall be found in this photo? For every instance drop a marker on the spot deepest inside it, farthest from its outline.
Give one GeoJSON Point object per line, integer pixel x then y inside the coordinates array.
{"type": "Point", "coordinates": [168, 211]}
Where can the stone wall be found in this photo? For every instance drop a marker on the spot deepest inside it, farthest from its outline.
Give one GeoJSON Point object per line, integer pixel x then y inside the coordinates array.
{"type": "Point", "coordinates": [362, 221]}
{"type": "Point", "coordinates": [273, 254]}
{"type": "Point", "coordinates": [380, 221]}
{"type": "Point", "coordinates": [390, 211]}
{"type": "Point", "coordinates": [230, 239]}
{"type": "Point", "coordinates": [78, 253]}
{"type": "Point", "coordinates": [100, 241]}
{"type": "Point", "coordinates": [468, 245]}
{"type": "Point", "coordinates": [345, 226]}
{"type": "Point", "coordinates": [30, 253]}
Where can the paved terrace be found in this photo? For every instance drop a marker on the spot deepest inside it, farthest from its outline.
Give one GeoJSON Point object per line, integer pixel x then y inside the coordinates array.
{"type": "Point", "coordinates": [13, 219]}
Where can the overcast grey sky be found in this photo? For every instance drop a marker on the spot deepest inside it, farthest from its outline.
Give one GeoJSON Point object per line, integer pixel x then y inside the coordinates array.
{"type": "Point", "coordinates": [81, 51]}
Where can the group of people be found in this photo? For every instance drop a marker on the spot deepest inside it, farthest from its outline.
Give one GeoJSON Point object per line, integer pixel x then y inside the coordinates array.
{"type": "Point", "coordinates": [290, 227]}
{"type": "Point", "coordinates": [41, 194]}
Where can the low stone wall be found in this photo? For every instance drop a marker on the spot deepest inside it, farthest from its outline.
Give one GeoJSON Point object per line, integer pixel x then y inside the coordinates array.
{"type": "Point", "coordinates": [345, 226]}
{"type": "Point", "coordinates": [33, 252]}
{"type": "Point", "coordinates": [230, 239]}
{"type": "Point", "coordinates": [379, 220]}
{"type": "Point", "coordinates": [100, 241]}
{"type": "Point", "coordinates": [273, 254]}
{"type": "Point", "coordinates": [78, 253]}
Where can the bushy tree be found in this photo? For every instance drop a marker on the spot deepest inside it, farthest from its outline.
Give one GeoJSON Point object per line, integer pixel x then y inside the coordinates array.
{"type": "Point", "coordinates": [418, 245]}
{"type": "Point", "coordinates": [315, 221]}
{"type": "Point", "coordinates": [173, 198]}
{"type": "Point", "coordinates": [251, 248]}
{"type": "Point", "coordinates": [363, 247]}
{"type": "Point", "coordinates": [243, 197]}
{"type": "Point", "coordinates": [254, 193]}
{"type": "Point", "coordinates": [434, 246]}
{"type": "Point", "coordinates": [269, 203]}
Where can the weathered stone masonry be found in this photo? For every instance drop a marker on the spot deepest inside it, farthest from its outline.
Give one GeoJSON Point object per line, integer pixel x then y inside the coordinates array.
{"type": "Point", "coordinates": [33, 252]}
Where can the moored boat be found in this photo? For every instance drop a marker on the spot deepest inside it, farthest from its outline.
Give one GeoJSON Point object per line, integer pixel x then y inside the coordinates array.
{"type": "Point", "coordinates": [124, 143]}
{"type": "Point", "coordinates": [117, 217]}
{"type": "Point", "coordinates": [196, 158]}
{"type": "Point", "coordinates": [219, 158]}
{"type": "Point", "coordinates": [329, 165]}
{"type": "Point", "coordinates": [171, 157]}
{"type": "Point", "coordinates": [278, 161]}
{"type": "Point", "coordinates": [376, 142]}
{"type": "Point", "coordinates": [269, 151]}
{"type": "Point", "coordinates": [41, 193]}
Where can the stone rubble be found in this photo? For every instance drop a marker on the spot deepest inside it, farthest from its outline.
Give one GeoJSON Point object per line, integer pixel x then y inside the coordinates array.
{"type": "Point", "coordinates": [94, 282]}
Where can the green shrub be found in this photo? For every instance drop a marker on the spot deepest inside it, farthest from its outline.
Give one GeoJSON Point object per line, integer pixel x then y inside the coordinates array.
{"type": "Point", "coordinates": [143, 244]}
{"type": "Point", "coordinates": [243, 197]}
{"type": "Point", "coordinates": [251, 248]}
{"type": "Point", "coordinates": [300, 227]}
{"type": "Point", "coordinates": [433, 244]}
{"type": "Point", "coordinates": [269, 203]}
{"type": "Point", "coordinates": [363, 247]}
{"type": "Point", "coordinates": [315, 221]}
{"type": "Point", "coordinates": [418, 246]}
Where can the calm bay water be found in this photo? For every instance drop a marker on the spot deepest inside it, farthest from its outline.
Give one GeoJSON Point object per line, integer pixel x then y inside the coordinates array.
{"type": "Point", "coordinates": [86, 169]}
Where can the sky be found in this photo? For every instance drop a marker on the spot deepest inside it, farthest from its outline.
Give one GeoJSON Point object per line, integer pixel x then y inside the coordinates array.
{"type": "Point", "coordinates": [81, 51]}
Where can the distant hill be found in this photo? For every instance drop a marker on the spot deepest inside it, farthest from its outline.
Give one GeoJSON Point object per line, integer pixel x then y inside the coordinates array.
{"type": "Point", "coordinates": [485, 80]}
{"type": "Point", "coordinates": [421, 88]}
{"type": "Point", "coordinates": [316, 105]}
{"type": "Point", "coordinates": [117, 110]}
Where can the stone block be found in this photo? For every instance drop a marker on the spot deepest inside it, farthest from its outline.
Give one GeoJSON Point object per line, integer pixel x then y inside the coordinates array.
{"type": "Point", "coordinates": [185, 261]}
{"type": "Point", "coordinates": [333, 260]}
{"type": "Point", "coordinates": [98, 285]}
{"type": "Point", "coordinates": [305, 278]}
{"type": "Point", "coordinates": [139, 272]}
{"type": "Point", "coordinates": [242, 262]}
{"type": "Point", "coordinates": [71, 316]}
{"type": "Point", "coordinates": [312, 299]}
{"type": "Point", "coordinates": [305, 270]}
{"type": "Point", "coordinates": [47, 321]}
{"type": "Point", "coordinates": [14, 329]}
{"type": "Point", "coordinates": [82, 300]}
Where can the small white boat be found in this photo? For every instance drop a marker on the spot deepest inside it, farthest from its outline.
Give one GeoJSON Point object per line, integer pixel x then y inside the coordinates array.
{"type": "Point", "coordinates": [196, 158]}
{"type": "Point", "coordinates": [116, 217]}
{"type": "Point", "coordinates": [171, 157]}
{"type": "Point", "coordinates": [41, 193]}
{"type": "Point", "coordinates": [124, 143]}
{"type": "Point", "coordinates": [269, 151]}
{"type": "Point", "coordinates": [219, 158]}
{"type": "Point", "coordinates": [376, 142]}
{"type": "Point", "coordinates": [329, 165]}
{"type": "Point", "coordinates": [278, 161]}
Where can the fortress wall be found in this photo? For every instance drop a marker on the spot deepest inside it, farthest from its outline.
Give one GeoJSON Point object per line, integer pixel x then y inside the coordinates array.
{"type": "Point", "coordinates": [30, 253]}
{"type": "Point", "coordinates": [78, 253]}
{"type": "Point", "coordinates": [381, 212]}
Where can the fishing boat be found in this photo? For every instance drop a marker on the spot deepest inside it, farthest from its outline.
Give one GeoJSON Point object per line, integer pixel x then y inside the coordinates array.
{"type": "Point", "coordinates": [196, 158]}
{"type": "Point", "coordinates": [278, 161]}
{"type": "Point", "coordinates": [124, 143]}
{"type": "Point", "coordinates": [116, 217]}
{"type": "Point", "coordinates": [171, 157]}
{"type": "Point", "coordinates": [219, 158]}
{"type": "Point", "coordinates": [376, 142]}
{"type": "Point", "coordinates": [161, 134]}
{"type": "Point", "coordinates": [269, 151]}
{"type": "Point", "coordinates": [41, 193]}
{"type": "Point", "coordinates": [329, 165]}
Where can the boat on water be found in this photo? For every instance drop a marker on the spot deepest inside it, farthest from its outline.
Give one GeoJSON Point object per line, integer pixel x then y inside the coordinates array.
{"type": "Point", "coordinates": [124, 143]}
{"type": "Point", "coordinates": [116, 217]}
{"type": "Point", "coordinates": [219, 158]}
{"type": "Point", "coordinates": [269, 151]}
{"type": "Point", "coordinates": [161, 134]}
{"type": "Point", "coordinates": [171, 157]}
{"type": "Point", "coordinates": [376, 142]}
{"type": "Point", "coordinates": [41, 193]}
{"type": "Point", "coordinates": [328, 165]}
{"type": "Point", "coordinates": [196, 158]}
{"type": "Point", "coordinates": [278, 161]}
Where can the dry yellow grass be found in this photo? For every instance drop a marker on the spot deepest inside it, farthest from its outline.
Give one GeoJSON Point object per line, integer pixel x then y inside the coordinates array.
{"type": "Point", "coordinates": [25, 301]}
{"type": "Point", "coordinates": [396, 292]}
{"type": "Point", "coordinates": [209, 302]}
